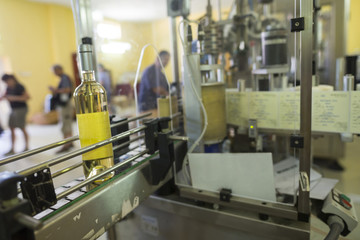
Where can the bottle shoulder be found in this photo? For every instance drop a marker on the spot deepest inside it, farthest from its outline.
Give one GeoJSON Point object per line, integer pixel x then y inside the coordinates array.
{"type": "Point", "coordinates": [89, 87]}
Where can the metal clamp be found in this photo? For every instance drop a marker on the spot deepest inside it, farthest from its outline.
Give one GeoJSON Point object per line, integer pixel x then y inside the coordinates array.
{"type": "Point", "coordinates": [297, 24]}
{"type": "Point", "coordinates": [39, 189]}
{"type": "Point", "coordinates": [304, 182]}
{"type": "Point", "coordinates": [225, 194]}
{"type": "Point", "coordinates": [296, 141]}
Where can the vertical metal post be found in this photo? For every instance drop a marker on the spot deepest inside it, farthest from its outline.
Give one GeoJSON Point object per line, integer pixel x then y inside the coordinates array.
{"type": "Point", "coordinates": [175, 56]}
{"type": "Point", "coordinates": [306, 7]}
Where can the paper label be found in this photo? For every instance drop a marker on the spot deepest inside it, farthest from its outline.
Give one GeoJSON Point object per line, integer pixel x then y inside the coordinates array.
{"type": "Point", "coordinates": [93, 128]}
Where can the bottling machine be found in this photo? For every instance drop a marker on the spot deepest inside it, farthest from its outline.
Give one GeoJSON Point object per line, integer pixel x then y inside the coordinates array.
{"type": "Point", "coordinates": [208, 181]}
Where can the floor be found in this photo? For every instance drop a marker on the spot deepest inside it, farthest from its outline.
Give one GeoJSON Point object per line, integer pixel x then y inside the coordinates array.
{"type": "Point", "coordinates": [40, 135]}
{"type": "Point", "coordinates": [349, 180]}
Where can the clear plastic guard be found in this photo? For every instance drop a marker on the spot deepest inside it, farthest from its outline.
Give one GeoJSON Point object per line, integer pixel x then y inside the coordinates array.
{"type": "Point", "coordinates": [266, 100]}
{"type": "Point", "coordinates": [259, 87]}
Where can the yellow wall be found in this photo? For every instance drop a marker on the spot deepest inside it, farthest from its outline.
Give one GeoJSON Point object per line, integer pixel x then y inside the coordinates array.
{"type": "Point", "coordinates": [63, 36]}
{"type": "Point", "coordinates": [353, 40]}
{"type": "Point", "coordinates": [34, 36]}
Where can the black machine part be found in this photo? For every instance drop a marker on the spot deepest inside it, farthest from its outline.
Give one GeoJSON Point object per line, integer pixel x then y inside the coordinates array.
{"type": "Point", "coordinates": [39, 189]}
{"type": "Point", "coordinates": [352, 66]}
{"type": "Point", "coordinates": [225, 194]}
{"type": "Point", "coordinates": [178, 8]}
{"type": "Point", "coordinates": [274, 47]}
{"type": "Point", "coordinates": [8, 185]}
{"type": "Point", "coordinates": [120, 128]}
{"type": "Point", "coordinates": [161, 165]}
{"type": "Point", "coordinates": [265, 1]}
{"type": "Point", "coordinates": [15, 220]}
{"type": "Point", "coordinates": [152, 127]}
{"type": "Point", "coordinates": [11, 227]}
{"type": "Point", "coordinates": [157, 138]}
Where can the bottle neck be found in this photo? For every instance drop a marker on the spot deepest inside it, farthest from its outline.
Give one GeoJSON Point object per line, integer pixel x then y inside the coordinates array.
{"type": "Point", "coordinates": [88, 76]}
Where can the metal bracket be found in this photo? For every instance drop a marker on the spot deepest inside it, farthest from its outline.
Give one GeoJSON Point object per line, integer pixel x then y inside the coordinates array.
{"type": "Point", "coordinates": [296, 141]}
{"type": "Point", "coordinates": [304, 182]}
{"type": "Point", "coordinates": [151, 135]}
{"type": "Point", "coordinates": [157, 137]}
{"type": "Point", "coordinates": [120, 128]}
{"type": "Point", "coordinates": [39, 189]}
{"type": "Point", "coordinates": [161, 165]}
{"type": "Point", "coordinates": [297, 24]}
{"type": "Point", "coordinates": [225, 194]}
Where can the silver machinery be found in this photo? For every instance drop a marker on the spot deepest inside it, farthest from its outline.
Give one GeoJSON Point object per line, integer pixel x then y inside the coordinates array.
{"type": "Point", "coordinates": [236, 72]}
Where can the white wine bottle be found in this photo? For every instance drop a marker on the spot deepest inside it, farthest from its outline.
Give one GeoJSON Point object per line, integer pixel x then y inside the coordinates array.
{"type": "Point", "coordinates": [92, 116]}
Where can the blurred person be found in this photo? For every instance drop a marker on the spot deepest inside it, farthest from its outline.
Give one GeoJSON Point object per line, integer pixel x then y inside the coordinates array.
{"type": "Point", "coordinates": [62, 95]}
{"type": "Point", "coordinates": [153, 84]}
{"type": "Point", "coordinates": [17, 97]}
{"type": "Point", "coordinates": [105, 81]}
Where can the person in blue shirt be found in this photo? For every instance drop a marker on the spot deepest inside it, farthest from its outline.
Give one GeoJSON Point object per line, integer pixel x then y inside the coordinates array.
{"type": "Point", "coordinates": [153, 84]}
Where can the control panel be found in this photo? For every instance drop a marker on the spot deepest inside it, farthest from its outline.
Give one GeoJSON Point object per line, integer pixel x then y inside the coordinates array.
{"type": "Point", "coordinates": [337, 203]}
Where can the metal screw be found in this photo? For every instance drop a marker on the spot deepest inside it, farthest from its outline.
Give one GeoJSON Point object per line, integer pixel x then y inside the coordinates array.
{"type": "Point", "coordinates": [297, 24]}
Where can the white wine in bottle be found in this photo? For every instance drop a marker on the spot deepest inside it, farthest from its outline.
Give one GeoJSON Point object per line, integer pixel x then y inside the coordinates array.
{"type": "Point", "coordinates": [92, 116]}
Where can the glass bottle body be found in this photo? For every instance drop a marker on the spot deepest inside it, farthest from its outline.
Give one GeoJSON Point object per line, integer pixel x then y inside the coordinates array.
{"type": "Point", "coordinates": [93, 125]}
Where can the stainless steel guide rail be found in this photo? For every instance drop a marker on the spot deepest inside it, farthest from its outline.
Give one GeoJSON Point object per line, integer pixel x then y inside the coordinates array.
{"type": "Point", "coordinates": [104, 173]}
{"type": "Point", "coordinates": [74, 166]}
{"type": "Point", "coordinates": [60, 143]}
{"type": "Point", "coordinates": [78, 152]}
{"type": "Point", "coordinates": [135, 178]}
{"type": "Point", "coordinates": [67, 169]}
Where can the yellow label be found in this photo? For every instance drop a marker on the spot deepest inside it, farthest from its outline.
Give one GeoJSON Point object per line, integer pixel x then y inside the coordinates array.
{"type": "Point", "coordinates": [93, 128]}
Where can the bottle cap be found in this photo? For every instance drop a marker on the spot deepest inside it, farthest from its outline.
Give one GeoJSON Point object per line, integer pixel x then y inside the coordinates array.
{"type": "Point", "coordinates": [86, 40]}
{"type": "Point", "coordinates": [85, 54]}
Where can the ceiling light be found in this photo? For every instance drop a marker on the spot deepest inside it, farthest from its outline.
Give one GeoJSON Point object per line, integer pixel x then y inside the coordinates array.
{"type": "Point", "coordinates": [115, 47]}
{"type": "Point", "coordinates": [109, 30]}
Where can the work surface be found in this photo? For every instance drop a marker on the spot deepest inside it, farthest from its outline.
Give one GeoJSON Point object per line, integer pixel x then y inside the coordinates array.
{"type": "Point", "coordinates": [41, 135]}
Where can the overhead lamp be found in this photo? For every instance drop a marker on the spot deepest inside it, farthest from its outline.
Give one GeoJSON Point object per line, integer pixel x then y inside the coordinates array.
{"type": "Point", "coordinates": [115, 47]}
{"type": "Point", "coordinates": [109, 30]}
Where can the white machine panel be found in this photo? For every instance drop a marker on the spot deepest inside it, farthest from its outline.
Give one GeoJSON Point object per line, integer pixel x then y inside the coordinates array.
{"type": "Point", "coordinates": [246, 174]}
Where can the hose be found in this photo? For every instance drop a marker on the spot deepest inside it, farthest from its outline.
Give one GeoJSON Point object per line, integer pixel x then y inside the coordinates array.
{"type": "Point", "coordinates": [336, 225]}
{"type": "Point", "coordinates": [197, 142]}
